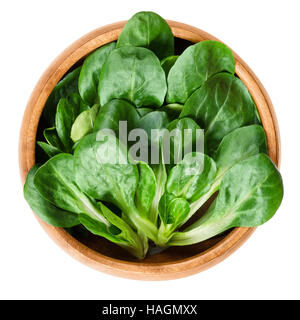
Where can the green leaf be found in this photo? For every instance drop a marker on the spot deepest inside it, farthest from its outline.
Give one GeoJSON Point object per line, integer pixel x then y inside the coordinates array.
{"type": "Point", "coordinates": [158, 120]}
{"type": "Point", "coordinates": [221, 105]}
{"type": "Point", "coordinates": [192, 177]}
{"type": "Point", "coordinates": [84, 123]}
{"type": "Point", "coordinates": [115, 111]}
{"type": "Point", "coordinates": [104, 171]}
{"type": "Point", "coordinates": [163, 205]}
{"type": "Point", "coordinates": [239, 145]}
{"type": "Point", "coordinates": [148, 30]}
{"type": "Point", "coordinates": [172, 212]}
{"type": "Point", "coordinates": [99, 229]}
{"type": "Point", "coordinates": [44, 209]}
{"type": "Point", "coordinates": [236, 146]}
{"type": "Point", "coordinates": [48, 149]}
{"type": "Point", "coordinates": [68, 110]}
{"type": "Point", "coordinates": [133, 74]}
{"type": "Point", "coordinates": [52, 138]}
{"type": "Point", "coordinates": [64, 87]}
{"type": "Point", "coordinates": [161, 179]}
{"type": "Point", "coordinates": [176, 108]}
{"type": "Point", "coordinates": [249, 195]}
{"type": "Point", "coordinates": [146, 189]}
{"type": "Point", "coordinates": [90, 73]}
{"type": "Point", "coordinates": [185, 136]}
{"type": "Point", "coordinates": [167, 63]}
{"type": "Point", "coordinates": [143, 111]}
{"type": "Point", "coordinates": [120, 232]}
{"type": "Point", "coordinates": [55, 181]}
{"type": "Point", "coordinates": [194, 66]}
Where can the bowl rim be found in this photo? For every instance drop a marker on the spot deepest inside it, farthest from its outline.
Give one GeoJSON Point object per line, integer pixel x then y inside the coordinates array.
{"type": "Point", "coordinates": [138, 270]}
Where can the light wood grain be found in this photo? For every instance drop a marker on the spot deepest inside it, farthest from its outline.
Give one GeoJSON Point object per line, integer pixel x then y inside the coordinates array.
{"type": "Point", "coordinates": [98, 253]}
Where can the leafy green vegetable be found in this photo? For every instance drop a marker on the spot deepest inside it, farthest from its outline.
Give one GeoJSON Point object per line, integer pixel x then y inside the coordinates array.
{"type": "Point", "coordinates": [55, 181]}
{"type": "Point", "coordinates": [194, 66]}
{"type": "Point", "coordinates": [150, 152]}
{"type": "Point", "coordinates": [84, 123]}
{"type": "Point", "coordinates": [175, 107]}
{"type": "Point", "coordinates": [172, 212]}
{"type": "Point", "coordinates": [68, 85]}
{"type": "Point", "coordinates": [115, 111]}
{"type": "Point", "coordinates": [90, 73]}
{"type": "Point", "coordinates": [167, 63]}
{"type": "Point", "coordinates": [143, 111]}
{"type": "Point", "coordinates": [148, 30]}
{"type": "Point", "coordinates": [44, 209]}
{"type": "Point", "coordinates": [119, 233]}
{"type": "Point", "coordinates": [238, 145]}
{"type": "Point", "coordinates": [146, 189]}
{"type": "Point", "coordinates": [221, 105]}
{"type": "Point", "coordinates": [49, 149]}
{"type": "Point", "coordinates": [106, 172]}
{"type": "Point", "coordinates": [52, 138]}
{"type": "Point", "coordinates": [161, 179]}
{"type": "Point", "coordinates": [192, 177]}
{"type": "Point", "coordinates": [185, 137]}
{"type": "Point", "coordinates": [250, 193]}
{"type": "Point", "coordinates": [158, 120]}
{"type": "Point", "coordinates": [67, 111]}
{"type": "Point", "coordinates": [56, 177]}
{"type": "Point", "coordinates": [133, 74]}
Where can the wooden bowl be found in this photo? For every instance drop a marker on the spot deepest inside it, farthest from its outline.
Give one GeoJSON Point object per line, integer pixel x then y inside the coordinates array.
{"type": "Point", "coordinates": [176, 262]}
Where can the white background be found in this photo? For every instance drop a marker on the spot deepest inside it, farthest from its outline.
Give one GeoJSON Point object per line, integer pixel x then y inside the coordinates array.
{"type": "Point", "coordinates": [264, 33]}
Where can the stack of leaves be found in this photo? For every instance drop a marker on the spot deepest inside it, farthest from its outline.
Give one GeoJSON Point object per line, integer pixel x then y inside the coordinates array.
{"type": "Point", "coordinates": [139, 80]}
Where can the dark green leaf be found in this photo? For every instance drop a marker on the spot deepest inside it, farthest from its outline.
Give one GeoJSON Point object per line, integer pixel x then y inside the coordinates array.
{"type": "Point", "coordinates": [55, 181]}
{"type": "Point", "coordinates": [148, 30]}
{"type": "Point", "coordinates": [249, 195]}
{"type": "Point", "coordinates": [90, 73]}
{"type": "Point", "coordinates": [221, 105]}
{"type": "Point", "coordinates": [115, 111]}
{"type": "Point", "coordinates": [143, 111]}
{"type": "Point", "coordinates": [194, 66]}
{"type": "Point", "coordinates": [236, 146]}
{"type": "Point", "coordinates": [65, 87]}
{"type": "Point", "coordinates": [239, 145]}
{"type": "Point", "coordinates": [52, 138]}
{"type": "Point", "coordinates": [49, 149]}
{"type": "Point", "coordinates": [185, 136]}
{"type": "Point", "coordinates": [192, 177]}
{"type": "Point", "coordinates": [172, 212]}
{"type": "Point", "coordinates": [133, 74]}
{"type": "Point", "coordinates": [103, 170]}
{"type": "Point", "coordinates": [119, 232]}
{"type": "Point", "coordinates": [158, 120]}
{"type": "Point", "coordinates": [44, 209]}
{"type": "Point", "coordinates": [167, 63]}
{"type": "Point", "coordinates": [68, 110]}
